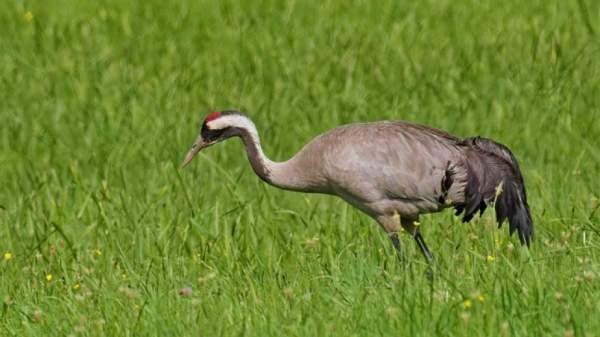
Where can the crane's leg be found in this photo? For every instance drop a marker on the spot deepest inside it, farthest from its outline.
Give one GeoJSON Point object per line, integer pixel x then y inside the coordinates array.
{"type": "Point", "coordinates": [391, 225]}
{"type": "Point", "coordinates": [423, 246]}
{"type": "Point", "coordinates": [410, 225]}
{"type": "Point", "coordinates": [395, 241]}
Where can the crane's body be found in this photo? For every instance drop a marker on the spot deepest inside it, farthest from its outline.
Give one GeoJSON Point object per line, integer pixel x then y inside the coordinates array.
{"type": "Point", "coordinates": [391, 170]}
{"type": "Point", "coordinates": [393, 166]}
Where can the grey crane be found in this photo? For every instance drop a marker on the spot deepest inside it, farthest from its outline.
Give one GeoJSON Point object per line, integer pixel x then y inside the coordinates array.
{"type": "Point", "coordinates": [391, 170]}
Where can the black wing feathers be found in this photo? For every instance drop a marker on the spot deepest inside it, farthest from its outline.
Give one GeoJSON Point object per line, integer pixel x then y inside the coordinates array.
{"type": "Point", "coordinates": [494, 176]}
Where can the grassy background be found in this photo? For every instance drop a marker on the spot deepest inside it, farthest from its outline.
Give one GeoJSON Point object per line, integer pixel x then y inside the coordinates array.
{"type": "Point", "coordinates": [99, 229]}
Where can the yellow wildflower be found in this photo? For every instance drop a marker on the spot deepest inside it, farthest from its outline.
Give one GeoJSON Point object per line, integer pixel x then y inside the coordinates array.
{"type": "Point", "coordinates": [76, 286]}
{"type": "Point", "coordinates": [49, 277]}
{"type": "Point", "coordinates": [490, 258]}
{"type": "Point", "coordinates": [98, 252]}
{"type": "Point", "coordinates": [8, 256]}
{"type": "Point", "coordinates": [480, 298]}
{"type": "Point", "coordinates": [467, 304]}
{"type": "Point", "coordinates": [28, 16]}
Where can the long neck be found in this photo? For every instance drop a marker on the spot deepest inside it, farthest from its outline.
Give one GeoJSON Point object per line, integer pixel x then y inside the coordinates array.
{"type": "Point", "coordinates": [287, 175]}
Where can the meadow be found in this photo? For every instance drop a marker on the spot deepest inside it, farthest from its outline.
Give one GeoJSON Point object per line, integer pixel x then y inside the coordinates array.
{"type": "Point", "coordinates": [100, 228]}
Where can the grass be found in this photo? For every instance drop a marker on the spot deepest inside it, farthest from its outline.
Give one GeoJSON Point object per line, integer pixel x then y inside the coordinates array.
{"type": "Point", "coordinates": [100, 229]}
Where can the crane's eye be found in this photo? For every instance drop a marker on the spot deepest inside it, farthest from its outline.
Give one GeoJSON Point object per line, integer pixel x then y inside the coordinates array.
{"type": "Point", "coordinates": [210, 134]}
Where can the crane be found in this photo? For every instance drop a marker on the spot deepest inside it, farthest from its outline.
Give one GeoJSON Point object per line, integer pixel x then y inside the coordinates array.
{"type": "Point", "coordinates": [393, 171]}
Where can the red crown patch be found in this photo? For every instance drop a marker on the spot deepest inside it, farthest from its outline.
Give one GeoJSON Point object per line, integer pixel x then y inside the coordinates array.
{"type": "Point", "coordinates": [212, 116]}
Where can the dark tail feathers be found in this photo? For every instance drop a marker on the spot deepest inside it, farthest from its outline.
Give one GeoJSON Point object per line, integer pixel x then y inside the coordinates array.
{"type": "Point", "coordinates": [494, 175]}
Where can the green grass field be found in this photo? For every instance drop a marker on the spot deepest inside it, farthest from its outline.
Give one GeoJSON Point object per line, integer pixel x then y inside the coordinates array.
{"type": "Point", "coordinates": [100, 229]}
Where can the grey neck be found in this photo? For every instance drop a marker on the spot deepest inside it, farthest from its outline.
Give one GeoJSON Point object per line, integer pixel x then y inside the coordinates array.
{"type": "Point", "coordinates": [286, 175]}
{"type": "Point", "coordinates": [261, 165]}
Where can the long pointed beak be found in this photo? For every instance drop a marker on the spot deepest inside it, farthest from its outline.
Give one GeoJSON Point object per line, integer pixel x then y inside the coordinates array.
{"type": "Point", "coordinates": [199, 144]}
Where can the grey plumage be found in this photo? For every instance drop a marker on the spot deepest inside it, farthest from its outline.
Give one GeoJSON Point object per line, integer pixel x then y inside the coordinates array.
{"type": "Point", "coordinates": [393, 171]}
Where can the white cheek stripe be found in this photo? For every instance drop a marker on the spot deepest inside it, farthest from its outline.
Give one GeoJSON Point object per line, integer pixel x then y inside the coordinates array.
{"type": "Point", "coordinates": [226, 121]}
{"type": "Point", "coordinates": [233, 121]}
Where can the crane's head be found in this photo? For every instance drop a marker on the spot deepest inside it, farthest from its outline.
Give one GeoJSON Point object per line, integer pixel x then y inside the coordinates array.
{"type": "Point", "coordinates": [217, 126]}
